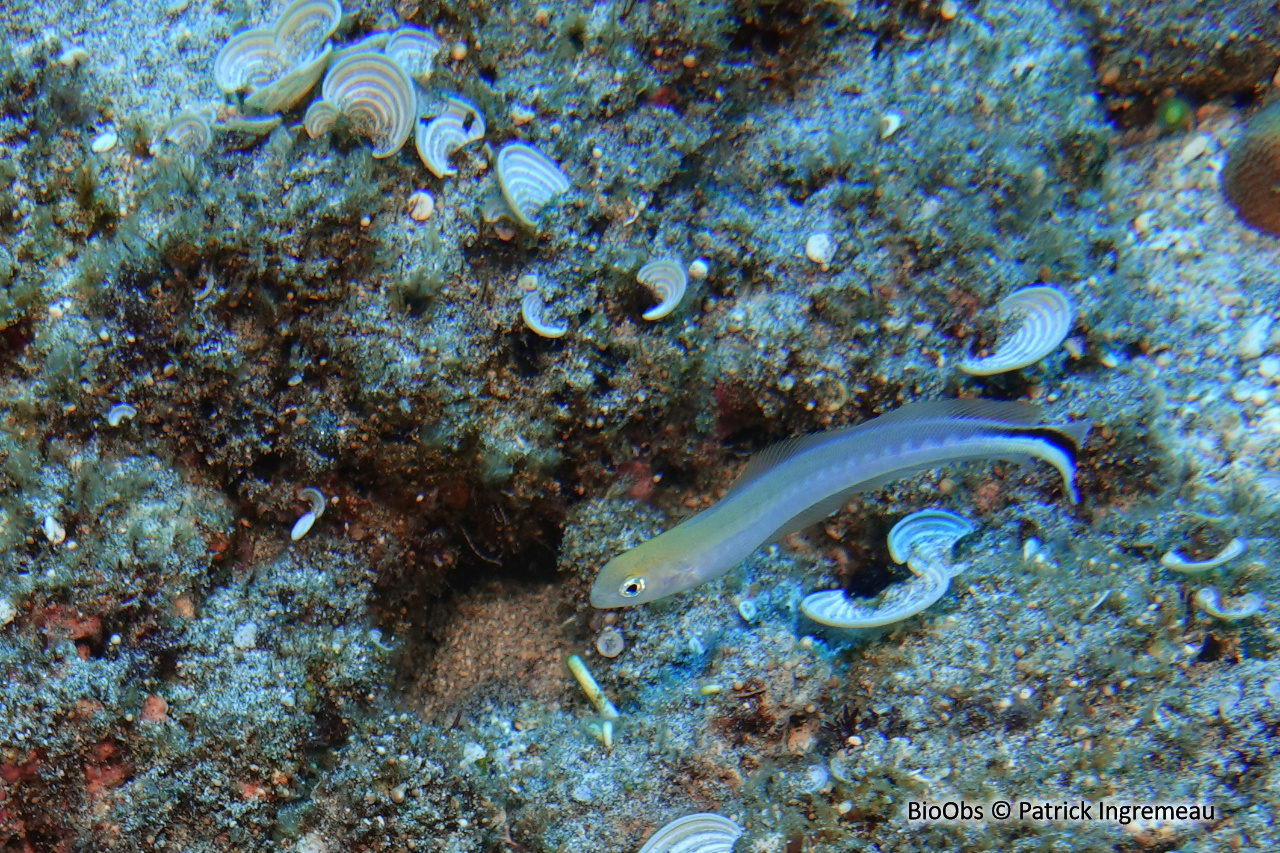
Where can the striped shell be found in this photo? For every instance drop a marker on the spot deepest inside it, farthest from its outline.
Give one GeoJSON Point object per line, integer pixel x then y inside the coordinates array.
{"type": "Point", "coordinates": [377, 96]}
{"type": "Point", "coordinates": [303, 28]}
{"type": "Point", "coordinates": [529, 180]}
{"type": "Point", "coordinates": [1044, 316]}
{"type": "Point", "coordinates": [436, 139]}
{"type": "Point", "coordinates": [928, 532]}
{"type": "Point", "coordinates": [320, 118]}
{"type": "Point", "coordinates": [531, 309]}
{"type": "Point", "coordinates": [667, 279]}
{"type": "Point", "coordinates": [900, 601]}
{"type": "Point", "coordinates": [276, 67]}
{"type": "Point", "coordinates": [247, 61]}
{"type": "Point", "coordinates": [697, 833]}
{"type": "Point", "coordinates": [1210, 601]}
{"type": "Point", "coordinates": [923, 540]}
{"type": "Point", "coordinates": [415, 50]}
{"type": "Point", "coordinates": [1177, 562]}
{"type": "Point", "coordinates": [186, 133]}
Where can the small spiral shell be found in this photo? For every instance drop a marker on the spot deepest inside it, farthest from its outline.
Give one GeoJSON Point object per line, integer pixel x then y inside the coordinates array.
{"type": "Point", "coordinates": [436, 139]}
{"type": "Point", "coordinates": [414, 50]}
{"type": "Point", "coordinates": [667, 280]}
{"type": "Point", "coordinates": [377, 96]}
{"type": "Point", "coordinates": [696, 833]}
{"type": "Point", "coordinates": [1044, 316]}
{"type": "Point", "coordinates": [531, 310]}
{"type": "Point", "coordinates": [529, 180]}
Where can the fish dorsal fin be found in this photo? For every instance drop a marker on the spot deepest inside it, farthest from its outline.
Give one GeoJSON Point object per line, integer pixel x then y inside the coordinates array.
{"type": "Point", "coordinates": [776, 454]}
{"type": "Point", "coordinates": [1010, 412]}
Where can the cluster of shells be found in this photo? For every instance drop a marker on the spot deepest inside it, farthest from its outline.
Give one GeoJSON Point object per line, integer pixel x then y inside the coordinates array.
{"type": "Point", "coordinates": [376, 87]}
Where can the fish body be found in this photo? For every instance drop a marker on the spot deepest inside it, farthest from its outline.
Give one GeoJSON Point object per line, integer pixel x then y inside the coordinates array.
{"type": "Point", "coordinates": [800, 481]}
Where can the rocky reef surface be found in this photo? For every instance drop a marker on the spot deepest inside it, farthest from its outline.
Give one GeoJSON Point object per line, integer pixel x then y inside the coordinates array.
{"type": "Point", "coordinates": [208, 316]}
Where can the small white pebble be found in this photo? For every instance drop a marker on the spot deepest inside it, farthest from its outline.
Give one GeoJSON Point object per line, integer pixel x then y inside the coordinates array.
{"type": "Point", "coordinates": [421, 206]}
{"type": "Point", "coordinates": [458, 51]}
{"type": "Point", "coordinates": [698, 269]}
{"type": "Point", "coordinates": [1194, 147]}
{"type": "Point", "coordinates": [53, 531]}
{"type": "Point", "coordinates": [889, 123]}
{"type": "Point", "coordinates": [820, 248]}
{"type": "Point", "coordinates": [104, 142]}
{"type": "Point", "coordinates": [1269, 367]}
{"type": "Point", "coordinates": [245, 636]}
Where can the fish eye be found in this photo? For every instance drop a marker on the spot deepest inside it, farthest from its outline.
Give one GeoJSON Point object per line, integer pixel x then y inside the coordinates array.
{"type": "Point", "coordinates": [631, 587]}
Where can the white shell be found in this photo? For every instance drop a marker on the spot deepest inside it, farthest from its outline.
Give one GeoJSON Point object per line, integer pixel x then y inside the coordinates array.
{"type": "Point", "coordinates": [529, 180]}
{"type": "Point", "coordinates": [415, 50]}
{"type": "Point", "coordinates": [923, 540]}
{"type": "Point", "coordinates": [247, 61]}
{"type": "Point", "coordinates": [303, 28]}
{"type": "Point", "coordinates": [928, 532]}
{"type": "Point", "coordinates": [377, 96]}
{"type": "Point", "coordinates": [667, 279]}
{"type": "Point", "coordinates": [1174, 560]}
{"type": "Point", "coordinates": [120, 412]}
{"type": "Point", "coordinates": [436, 139]}
{"type": "Point", "coordinates": [302, 525]}
{"type": "Point", "coordinates": [898, 602]}
{"type": "Point", "coordinates": [697, 833]}
{"type": "Point", "coordinates": [1044, 316]}
{"type": "Point", "coordinates": [531, 308]}
{"type": "Point", "coordinates": [187, 133]}
{"type": "Point", "coordinates": [287, 90]}
{"type": "Point", "coordinates": [319, 118]}
{"type": "Point", "coordinates": [1210, 601]}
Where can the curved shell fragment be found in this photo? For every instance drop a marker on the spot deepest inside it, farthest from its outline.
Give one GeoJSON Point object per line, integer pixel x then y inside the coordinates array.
{"type": "Point", "coordinates": [1178, 563]}
{"type": "Point", "coordinates": [531, 310]}
{"type": "Point", "coordinates": [695, 833]}
{"type": "Point", "coordinates": [119, 413]}
{"type": "Point", "coordinates": [459, 124]}
{"type": "Point", "coordinates": [376, 95]}
{"type": "Point", "coordinates": [287, 90]}
{"type": "Point", "coordinates": [529, 180]}
{"type": "Point", "coordinates": [667, 280]}
{"type": "Point", "coordinates": [928, 532]}
{"type": "Point", "coordinates": [415, 50]}
{"type": "Point", "coordinates": [1044, 316]}
{"type": "Point", "coordinates": [1210, 601]}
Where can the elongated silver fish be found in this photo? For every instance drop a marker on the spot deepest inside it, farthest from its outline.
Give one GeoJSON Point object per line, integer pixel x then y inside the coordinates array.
{"type": "Point", "coordinates": [800, 481]}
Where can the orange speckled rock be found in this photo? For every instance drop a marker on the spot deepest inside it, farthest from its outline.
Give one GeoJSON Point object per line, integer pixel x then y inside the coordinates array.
{"type": "Point", "coordinates": [1251, 176]}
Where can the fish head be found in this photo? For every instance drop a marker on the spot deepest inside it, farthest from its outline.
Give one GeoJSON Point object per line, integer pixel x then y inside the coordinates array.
{"type": "Point", "coordinates": [641, 575]}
